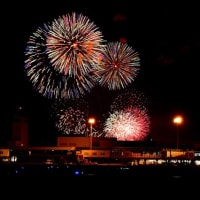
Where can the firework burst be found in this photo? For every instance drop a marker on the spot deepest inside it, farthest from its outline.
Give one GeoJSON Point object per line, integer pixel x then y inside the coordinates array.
{"type": "Point", "coordinates": [74, 45]}
{"type": "Point", "coordinates": [45, 79]}
{"type": "Point", "coordinates": [119, 66]}
{"type": "Point", "coordinates": [130, 124]}
{"type": "Point", "coordinates": [70, 116]}
{"type": "Point", "coordinates": [71, 122]}
{"type": "Point", "coordinates": [128, 118]}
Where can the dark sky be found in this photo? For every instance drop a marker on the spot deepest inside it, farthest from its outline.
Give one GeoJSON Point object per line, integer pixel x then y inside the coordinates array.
{"type": "Point", "coordinates": [166, 36]}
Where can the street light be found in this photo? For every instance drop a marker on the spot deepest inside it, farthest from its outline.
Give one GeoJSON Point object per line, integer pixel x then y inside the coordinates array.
{"type": "Point", "coordinates": [178, 120]}
{"type": "Point", "coordinates": [91, 121]}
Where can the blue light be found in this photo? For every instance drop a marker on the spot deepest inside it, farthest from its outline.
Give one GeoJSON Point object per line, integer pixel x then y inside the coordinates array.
{"type": "Point", "coordinates": [77, 172]}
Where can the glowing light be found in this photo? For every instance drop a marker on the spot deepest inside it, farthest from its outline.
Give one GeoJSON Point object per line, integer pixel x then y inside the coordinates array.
{"type": "Point", "coordinates": [178, 120]}
{"type": "Point", "coordinates": [91, 121]}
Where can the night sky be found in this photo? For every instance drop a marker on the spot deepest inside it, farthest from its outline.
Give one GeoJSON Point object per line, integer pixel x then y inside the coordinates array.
{"type": "Point", "coordinates": [166, 36]}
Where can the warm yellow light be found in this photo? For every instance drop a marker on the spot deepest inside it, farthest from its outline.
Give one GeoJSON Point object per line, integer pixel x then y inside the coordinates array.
{"type": "Point", "coordinates": [178, 120]}
{"type": "Point", "coordinates": [91, 121]}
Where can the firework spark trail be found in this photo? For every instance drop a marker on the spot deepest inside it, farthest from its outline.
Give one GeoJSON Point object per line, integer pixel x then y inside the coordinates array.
{"type": "Point", "coordinates": [119, 66]}
{"type": "Point", "coordinates": [131, 124]}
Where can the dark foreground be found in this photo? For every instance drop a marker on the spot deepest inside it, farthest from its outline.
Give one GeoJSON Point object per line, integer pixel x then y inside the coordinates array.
{"type": "Point", "coordinates": [109, 170]}
{"type": "Point", "coordinates": [95, 181]}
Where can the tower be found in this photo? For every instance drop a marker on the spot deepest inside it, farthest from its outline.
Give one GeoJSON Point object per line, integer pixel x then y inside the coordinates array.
{"type": "Point", "coordinates": [19, 135]}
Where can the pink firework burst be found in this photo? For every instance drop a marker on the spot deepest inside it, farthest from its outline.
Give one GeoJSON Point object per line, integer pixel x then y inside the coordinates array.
{"type": "Point", "coordinates": [130, 124]}
{"type": "Point", "coordinates": [119, 66]}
